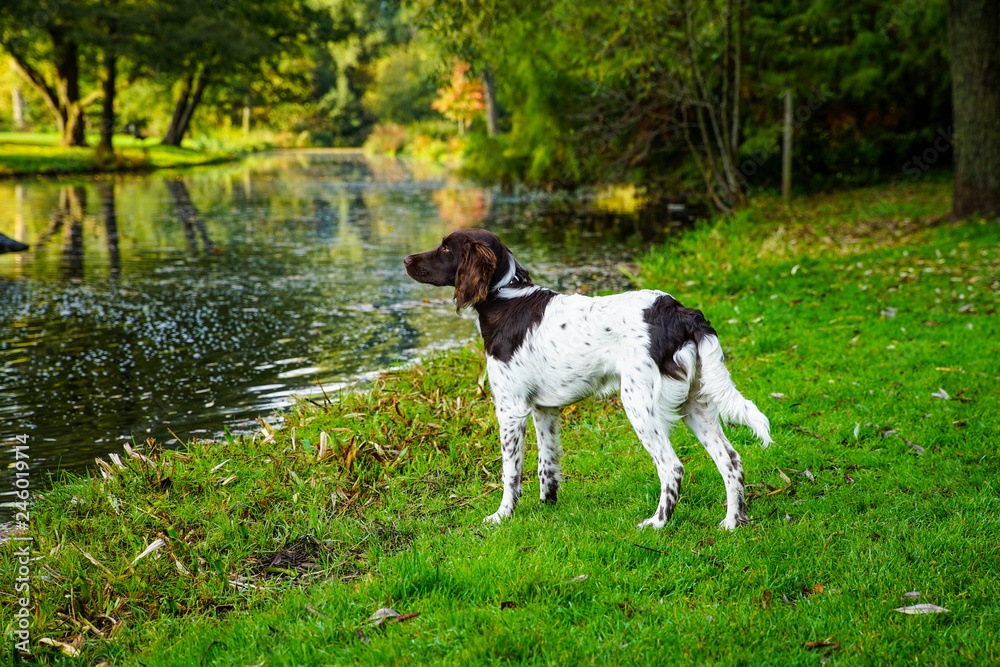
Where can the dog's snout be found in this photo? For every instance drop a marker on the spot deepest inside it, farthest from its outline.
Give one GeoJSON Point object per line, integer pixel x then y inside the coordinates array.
{"type": "Point", "coordinates": [407, 260]}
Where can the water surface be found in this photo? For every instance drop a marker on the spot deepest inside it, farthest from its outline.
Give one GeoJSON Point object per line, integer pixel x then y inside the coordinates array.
{"type": "Point", "coordinates": [175, 304]}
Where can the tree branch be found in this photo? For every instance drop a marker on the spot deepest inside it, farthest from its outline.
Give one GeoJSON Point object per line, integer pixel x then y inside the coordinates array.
{"type": "Point", "coordinates": [34, 77]}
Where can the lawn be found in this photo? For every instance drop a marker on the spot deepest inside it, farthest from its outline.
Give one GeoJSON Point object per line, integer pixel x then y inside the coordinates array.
{"type": "Point", "coordinates": [864, 325]}
{"type": "Point", "coordinates": [26, 154]}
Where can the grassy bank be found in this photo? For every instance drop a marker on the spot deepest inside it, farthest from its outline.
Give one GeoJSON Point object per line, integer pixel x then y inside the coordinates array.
{"type": "Point", "coordinates": [865, 327]}
{"type": "Point", "coordinates": [24, 154]}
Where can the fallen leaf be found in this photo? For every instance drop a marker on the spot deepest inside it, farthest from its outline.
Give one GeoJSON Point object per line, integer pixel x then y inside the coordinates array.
{"type": "Point", "coordinates": [913, 595]}
{"type": "Point", "coordinates": [941, 393]}
{"type": "Point", "coordinates": [777, 395]}
{"type": "Point", "coordinates": [508, 604]}
{"type": "Point", "coordinates": [809, 475]}
{"type": "Point", "coordinates": [922, 608]}
{"type": "Point", "coordinates": [580, 577]}
{"type": "Point", "coordinates": [324, 446]}
{"type": "Point", "coordinates": [157, 543]}
{"type": "Point", "coordinates": [822, 643]}
{"type": "Point", "coordinates": [67, 649]}
{"type": "Point", "coordinates": [360, 635]}
{"type": "Point", "coordinates": [381, 615]}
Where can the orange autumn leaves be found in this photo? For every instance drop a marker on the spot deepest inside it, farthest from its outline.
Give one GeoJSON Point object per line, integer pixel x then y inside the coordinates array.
{"type": "Point", "coordinates": [462, 98]}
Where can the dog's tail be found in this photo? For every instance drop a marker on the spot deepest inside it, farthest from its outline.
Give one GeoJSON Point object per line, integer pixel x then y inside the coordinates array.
{"type": "Point", "coordinates": [717, 385]}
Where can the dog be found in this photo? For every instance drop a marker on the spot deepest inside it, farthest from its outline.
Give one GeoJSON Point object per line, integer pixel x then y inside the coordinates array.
{"type": "Point", "coordinates": [546, 350]}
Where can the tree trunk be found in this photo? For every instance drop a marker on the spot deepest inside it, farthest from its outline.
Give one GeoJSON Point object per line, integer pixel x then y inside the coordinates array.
{"type": "Point", "coordinates": [67, 57]}
{"type": "Point", "coordinates": [246, 120]}
{"type": "Point", "coordinates": [108, 108]}
{"type": "Point", "coordinates": [974, 38]}
{"type": "Point", "coordinates": [489, 90]}
{"type": "Point", "coordinates": [62, 98]}
{"type": "Point", "coordinates": [17, 104]}
{"type": "Point", "coordinates": [171, 138]}
{"type": "Point", "coordinates": [186, 105]}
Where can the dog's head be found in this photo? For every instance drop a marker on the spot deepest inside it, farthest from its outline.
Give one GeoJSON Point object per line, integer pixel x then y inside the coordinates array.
{"type": "Point", "coordinates": [473, 261]}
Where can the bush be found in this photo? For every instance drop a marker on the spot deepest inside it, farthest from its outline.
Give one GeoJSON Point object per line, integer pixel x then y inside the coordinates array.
{"type": "Point", "coordinates": [386, 139]}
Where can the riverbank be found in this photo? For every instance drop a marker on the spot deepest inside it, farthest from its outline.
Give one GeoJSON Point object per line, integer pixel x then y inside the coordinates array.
{"type": "Point", "coordinates": [864, 325]}
{"type": "Point", "coordinates": [39, 154]}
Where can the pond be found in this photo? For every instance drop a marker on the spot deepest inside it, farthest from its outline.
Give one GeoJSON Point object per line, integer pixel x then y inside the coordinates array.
{"type": "Point", "coordinates": [174, 305]}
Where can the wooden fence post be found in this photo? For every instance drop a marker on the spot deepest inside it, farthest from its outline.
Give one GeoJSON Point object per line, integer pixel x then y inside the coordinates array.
{"type": "Point", "coordinates": [786, 155]}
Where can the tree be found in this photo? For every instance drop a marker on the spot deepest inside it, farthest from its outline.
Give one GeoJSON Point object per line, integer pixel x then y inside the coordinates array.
{"type": "Point", "coordinates": [468, 30]}
{"type": "Point", "coordinates": [350, 36]}
{"type": "Point", "coordinates": [206, 43]}
{"type": "Point", "coordinates": [45, 41]}
{"type": "Point", "coordinates": [461, 99]}
{"type": "Point", "coordinates": [974, 38]}
{"type": "Point", "coordinates": [712, 97]}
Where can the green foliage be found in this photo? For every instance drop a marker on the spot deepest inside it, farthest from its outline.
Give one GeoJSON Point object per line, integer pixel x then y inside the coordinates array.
{"type": "Point", "coordinates": [871, 81]}
{"type": "Point", "coordinates": [403, 86]}
{"type": "Point", "coordinates": [593, 92]}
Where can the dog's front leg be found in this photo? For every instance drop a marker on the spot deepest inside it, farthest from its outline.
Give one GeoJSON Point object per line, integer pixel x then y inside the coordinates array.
{"type": "Point", "coordinates": [512, 427]}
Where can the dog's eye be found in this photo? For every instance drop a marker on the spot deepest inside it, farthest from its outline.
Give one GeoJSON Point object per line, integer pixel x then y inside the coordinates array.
{"type": "Point", "coordinates": [445, 248]}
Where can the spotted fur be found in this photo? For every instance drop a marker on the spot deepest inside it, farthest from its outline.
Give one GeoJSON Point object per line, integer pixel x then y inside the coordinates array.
{"type": "Point", "coordinates": [546, 350]}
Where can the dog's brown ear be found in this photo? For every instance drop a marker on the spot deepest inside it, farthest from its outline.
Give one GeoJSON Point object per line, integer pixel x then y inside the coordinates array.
{"type": "Point", "coordinates": [472, 281]}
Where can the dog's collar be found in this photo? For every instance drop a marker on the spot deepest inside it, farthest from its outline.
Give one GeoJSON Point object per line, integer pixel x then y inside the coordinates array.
{"type": "Point", "coordinates": [508, 277]}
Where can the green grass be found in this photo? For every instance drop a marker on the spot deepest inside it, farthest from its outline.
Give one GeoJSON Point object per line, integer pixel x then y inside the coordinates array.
{"type": "Point", "coordinates": [840, 319]}
{"type": "Point", "coordinates": [28, 154]}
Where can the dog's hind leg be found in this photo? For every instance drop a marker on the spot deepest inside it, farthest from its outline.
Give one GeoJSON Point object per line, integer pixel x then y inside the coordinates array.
{"type": "Point", "coordinates": [703, 419]}
{"type": "Point", "coordinates": [639, 398]}
{"type": "Point", "coordinates": [549, 451]}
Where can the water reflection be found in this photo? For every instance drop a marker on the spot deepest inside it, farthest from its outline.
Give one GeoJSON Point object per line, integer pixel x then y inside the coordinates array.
{"type": "Point", "coordinates": [150, 306]}
{"type": "Point", "coordinates": [190, 219]}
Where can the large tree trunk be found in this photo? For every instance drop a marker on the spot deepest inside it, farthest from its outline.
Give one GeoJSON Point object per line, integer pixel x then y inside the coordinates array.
{"type": "Point", "coordinates": [187, 102]}
{"type": "Point", "coordinates": [974, 38]}
{"type": "Point", "coordinates": [108, 108]}
{"type": "Point", "coordinates": [490, 96]}
{"type": "Point", "coordinates": [67, 55]}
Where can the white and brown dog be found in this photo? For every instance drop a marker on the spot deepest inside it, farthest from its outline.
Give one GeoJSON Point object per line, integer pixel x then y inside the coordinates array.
{"type": "Point", "coordinates": [546, 350]}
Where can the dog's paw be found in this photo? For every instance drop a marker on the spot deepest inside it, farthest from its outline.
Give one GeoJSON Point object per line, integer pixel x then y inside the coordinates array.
{"type": "Point", "coordinates": [653, 522]}
{"type": "Point", "coordinates": [495, 518]}
{"type": "Point", "coordinates": [732, 523]}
